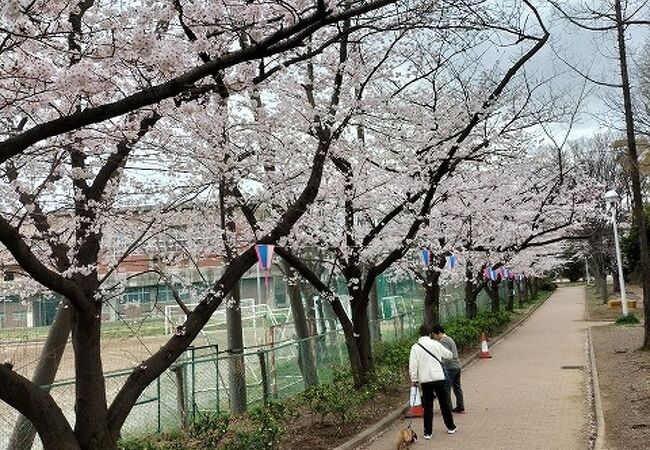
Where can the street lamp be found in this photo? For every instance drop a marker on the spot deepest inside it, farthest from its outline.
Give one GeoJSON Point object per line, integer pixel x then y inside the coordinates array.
{"type": "Point", "coordinates": [612, 199]}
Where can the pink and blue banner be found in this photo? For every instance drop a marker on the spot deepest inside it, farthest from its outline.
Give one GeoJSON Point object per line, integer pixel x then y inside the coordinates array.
{"type": "Point", "coordinates": [490, 273]}
{"type": "Point", "coordinates": [264, 255]}
{"type": "Point", "coordinates": [265, 259]}
{"type": "Point", "coordinates": [425, 255]}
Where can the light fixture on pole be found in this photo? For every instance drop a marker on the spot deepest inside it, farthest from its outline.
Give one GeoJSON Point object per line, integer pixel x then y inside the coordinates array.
{"type": "Point", "coordinates": [612, 199]}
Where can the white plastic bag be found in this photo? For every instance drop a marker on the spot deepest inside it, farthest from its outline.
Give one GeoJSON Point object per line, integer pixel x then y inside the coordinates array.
{"type": "Point", "coordinates": [414, 397]}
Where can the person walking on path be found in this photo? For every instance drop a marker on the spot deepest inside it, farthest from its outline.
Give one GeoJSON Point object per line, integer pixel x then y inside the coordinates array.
{"type": "Point", "coordinates": [425, 367]}
{"type": "Point", "coordinates": [453, 368]}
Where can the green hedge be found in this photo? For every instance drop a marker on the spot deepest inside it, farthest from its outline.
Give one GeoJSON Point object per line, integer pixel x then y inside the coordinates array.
{"type": "Point", "coordinates": [466, 332]}
{"type": "Point", "coordinates": [261, 429]}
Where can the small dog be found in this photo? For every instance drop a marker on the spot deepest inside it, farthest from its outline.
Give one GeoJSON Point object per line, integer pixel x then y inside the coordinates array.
{"type": "Point", "coordinates": [406, 437]}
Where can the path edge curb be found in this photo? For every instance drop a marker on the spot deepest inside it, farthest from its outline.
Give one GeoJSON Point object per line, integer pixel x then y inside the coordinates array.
{"type": "Point", "coordinates": [368, 433]}
{"type": "Point", "coordinates": [599, 444]}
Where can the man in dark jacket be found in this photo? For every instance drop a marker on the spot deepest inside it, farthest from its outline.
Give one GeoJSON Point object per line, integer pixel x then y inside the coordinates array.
{"type": "Point", "coordinates": [453, 368]}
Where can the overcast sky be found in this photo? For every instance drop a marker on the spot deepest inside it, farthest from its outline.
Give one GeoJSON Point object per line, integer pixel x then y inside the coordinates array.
{"type": "Point", "coordinates": [593, 53]}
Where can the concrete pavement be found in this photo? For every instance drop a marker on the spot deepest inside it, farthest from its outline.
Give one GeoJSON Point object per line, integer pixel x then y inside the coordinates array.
{"type": "Point", "coordinates": [530, 395]}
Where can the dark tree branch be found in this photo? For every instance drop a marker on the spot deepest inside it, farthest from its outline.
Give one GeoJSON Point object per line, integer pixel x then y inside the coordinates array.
{"type": "Point", "coordinates": [39, 407]}
{"type": "Point", "coordinates": [155, 365]}
{"type": "Point", "coordinates": [278, 42]}
{"type": "Point", "coordinates": [14, 242]}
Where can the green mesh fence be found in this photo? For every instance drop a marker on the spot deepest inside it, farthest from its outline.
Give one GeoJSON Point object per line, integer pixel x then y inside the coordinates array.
{"type": "Point", "coordinates": [207, 378]}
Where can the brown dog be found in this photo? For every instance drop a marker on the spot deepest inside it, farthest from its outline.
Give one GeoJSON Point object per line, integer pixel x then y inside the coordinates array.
{"type": "Point", "coordinates": [406, 437]}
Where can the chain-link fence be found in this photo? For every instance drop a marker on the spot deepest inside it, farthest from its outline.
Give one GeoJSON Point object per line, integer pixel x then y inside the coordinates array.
{"type": "Point", "coordinates": [209, 378]}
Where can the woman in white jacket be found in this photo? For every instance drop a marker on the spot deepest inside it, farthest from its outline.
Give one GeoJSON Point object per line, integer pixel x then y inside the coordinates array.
{"type": "Point", "coordinates": [425, 367]}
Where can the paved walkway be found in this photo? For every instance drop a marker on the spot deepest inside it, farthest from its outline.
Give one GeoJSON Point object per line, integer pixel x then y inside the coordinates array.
{"type": "Point", "coordinates": [522, 398]}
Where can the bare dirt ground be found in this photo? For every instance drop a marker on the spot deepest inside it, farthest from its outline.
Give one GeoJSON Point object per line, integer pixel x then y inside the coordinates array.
{"type": "Point", "coordinates": [308, 433]}
{"type": "Point", "coordinates": [117, 353]}
{"type": "Point", "coordinates": [600, 311]}
{"type": "Point", "coordinates": [624, 378]}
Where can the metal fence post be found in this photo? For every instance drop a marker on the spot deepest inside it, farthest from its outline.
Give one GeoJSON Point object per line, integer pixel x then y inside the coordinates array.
{"type": "Point", "coordinates": [394, 319]}
{"type": "Point", "coordinates": [401, 326]}
{"type": "Point", "coordinates": [193, 397]}
{"type": "Point", "coordinates": [216, 378]}
{"type": "Point", "coordinates": [265, 377]}
{"type": "Point", "coordinates": [158, 392]}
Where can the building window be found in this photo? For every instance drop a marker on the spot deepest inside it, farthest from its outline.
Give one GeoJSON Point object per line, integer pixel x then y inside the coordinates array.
{"type": "Point", "coordinates": [11, 298]}
{"type": "Point", "coordinates": [137, 295]}
{"type": "Point", "coordinates": [165, 295]}
{"type": "Point", "coordinates": [280, 291]}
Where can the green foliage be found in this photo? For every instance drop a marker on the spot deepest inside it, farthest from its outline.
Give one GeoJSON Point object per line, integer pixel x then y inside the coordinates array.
{"type": "Point", "coordinates": [336, 400]}
{"type": "Point", "coordinates": [209, 429]}
{"type": "Point", "coordinates": [267, 426]}
{"type": "Point", "coordinates": [387, 378]}
{"type": "Point", "coordinates": [162, 442]}
{"type": "Point", "coordinates": [466, 332]}
{"type": "Point", "coordinates": [392, 354]}
{"type": "Point", "coordinates": [262, 428]}
{"type": "Point", "coordinates": [573, 270]}
{"type": "Point", "coordinates": [547, 284]}
{"type": "Point", "coordinates": [630, 319]}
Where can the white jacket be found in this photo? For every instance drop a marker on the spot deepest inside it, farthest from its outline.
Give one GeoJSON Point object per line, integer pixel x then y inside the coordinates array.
{"type": "Point", "coordinates": [422, 366]}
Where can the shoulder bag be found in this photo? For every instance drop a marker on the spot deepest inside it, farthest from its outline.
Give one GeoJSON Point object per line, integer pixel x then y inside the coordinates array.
{"type": "Point", "coordinates": [444, 369]}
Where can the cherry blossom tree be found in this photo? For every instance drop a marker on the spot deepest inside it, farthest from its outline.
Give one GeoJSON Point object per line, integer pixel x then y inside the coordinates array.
{"type": "Point", "coordinates": [82, 85]}
{"type": "Point", "coordinates": [380, 202]}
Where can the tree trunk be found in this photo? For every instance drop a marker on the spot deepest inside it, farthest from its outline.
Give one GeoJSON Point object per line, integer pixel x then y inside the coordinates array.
{"type": "Point", "coordinates": [375, 317]}
{"type": "Point", "coordinates": [310, 307]}
{"type": "Point", "coordinates": [22, 437]}
{"type": "Point", "coordinates": [600, 279]}
{"type": "Point", "coordinates": [181, 402]}
{"type": "Point", "coordinates": [328, 316]}
{"type": "Point", "coordinates": [91, 423]}
{"type": "Point", "coordinates": [305, 357]}
{"type": "Point", "coordinates": [534, 288]}
{"type": "Point", "coordinates": [616, 288]}
{"type": "Point", "coordinates": [510, 297]}
{"type": "Point", "coordinates": [359, 374]}
{"type": "Point", "coordinates": [362, 329]}
{"type": "Point", "coordinates": [471, 308]}
{"type": "Point", "coordinates": [432, 298]}
{"type": "Point", "coordinates": [526, 289]}
{"type": "Point", "coordinates": [235, 348]}
{"type": "Point", "coordinates": [637, 203]}
{"type": "Point", "coordinates": [520, 294]}
{"type": "Point", "coordinates": [493, 292]}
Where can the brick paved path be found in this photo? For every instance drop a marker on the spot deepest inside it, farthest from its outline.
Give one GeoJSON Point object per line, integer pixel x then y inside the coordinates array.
{"type": "Point", "coordinates": [521, 399]}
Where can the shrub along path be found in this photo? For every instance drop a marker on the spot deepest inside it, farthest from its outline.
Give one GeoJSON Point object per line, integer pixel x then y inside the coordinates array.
{"type": "Point", "coordinates": [531, 394]}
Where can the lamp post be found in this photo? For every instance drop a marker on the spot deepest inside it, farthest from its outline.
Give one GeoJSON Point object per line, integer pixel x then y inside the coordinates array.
{"type": "Point", "coordinates": [612, 198]}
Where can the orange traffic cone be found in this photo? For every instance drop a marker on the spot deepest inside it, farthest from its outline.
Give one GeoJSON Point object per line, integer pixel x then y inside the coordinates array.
{"type": "Point", "coordinates": [415, 411]}
{"type": "Point", "coordinates": [485, 350]}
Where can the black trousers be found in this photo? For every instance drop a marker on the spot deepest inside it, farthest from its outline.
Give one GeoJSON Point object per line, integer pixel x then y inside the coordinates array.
{"type": "Point", "coordinates": [440, 390]}
{"type": "Point", "coordinates": [454, 383]}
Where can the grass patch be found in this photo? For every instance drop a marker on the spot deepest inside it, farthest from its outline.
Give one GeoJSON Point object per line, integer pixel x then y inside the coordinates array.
{"type": "Point", "coordinates": [630, 319]}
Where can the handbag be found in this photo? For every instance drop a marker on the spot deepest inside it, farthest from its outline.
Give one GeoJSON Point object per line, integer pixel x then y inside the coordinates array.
{"type": "Point", "coordinates": [416, 409]}
{"type": "Point", "coordinates": [444, 369]}
{"type": "Point", "coordinates": [414, 397]}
